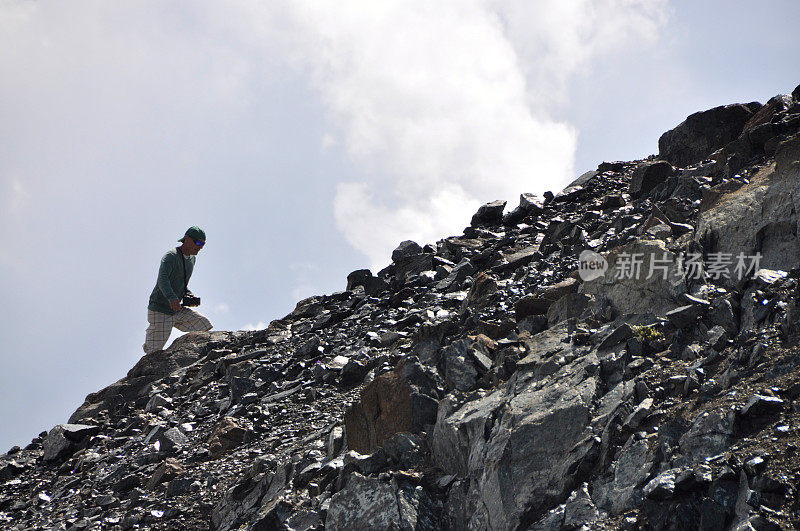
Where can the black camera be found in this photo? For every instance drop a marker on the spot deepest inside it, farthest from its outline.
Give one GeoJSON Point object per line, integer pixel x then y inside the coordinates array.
{"type": "Point", "coordinates": [190, 300]}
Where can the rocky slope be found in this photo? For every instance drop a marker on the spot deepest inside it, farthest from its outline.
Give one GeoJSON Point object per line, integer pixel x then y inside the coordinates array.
{"type": "Point", "coordinates": [482, 382]}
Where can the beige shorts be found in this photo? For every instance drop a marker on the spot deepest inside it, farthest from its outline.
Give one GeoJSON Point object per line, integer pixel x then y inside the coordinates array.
{"type": "Point", "coordinates": [161, 324]}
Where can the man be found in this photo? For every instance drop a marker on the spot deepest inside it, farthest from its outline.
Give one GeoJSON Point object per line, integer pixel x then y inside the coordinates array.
{"type": "Point", "coordinates": [165, 309]}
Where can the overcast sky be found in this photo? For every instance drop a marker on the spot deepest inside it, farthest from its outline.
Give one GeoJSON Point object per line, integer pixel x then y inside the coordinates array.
{"type": "Point", "coordinates": [308, 139]}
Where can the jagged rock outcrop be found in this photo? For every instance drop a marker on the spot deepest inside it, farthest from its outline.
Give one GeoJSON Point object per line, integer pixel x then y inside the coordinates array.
{"type": "Point", "coordinates": [760, 216]}
{"type": "Point", "coordinates": [486, 381]}
{"type": "Point", "coordinates": [704, 132]}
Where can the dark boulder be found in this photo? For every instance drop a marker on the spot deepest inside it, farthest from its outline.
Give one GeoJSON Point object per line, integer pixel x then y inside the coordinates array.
{"type": "Point", "coordinates": [406, 249]}
{"type": "Point", "coordinates": [703, 133]}
{"type": "Point", "coordinates": [64, 439]}
{"type": "Point", "coordinates": [367, 503]}
{"type": "Point", "coordinates": [648, 176]}
{"type": "Point", "coordinates": [489, 214]}
{"type": "Point", "coordinates": [363, 277]}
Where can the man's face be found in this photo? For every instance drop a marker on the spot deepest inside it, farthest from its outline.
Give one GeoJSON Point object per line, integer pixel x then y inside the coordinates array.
{"type": "Point", "coordinates": [192, 245]}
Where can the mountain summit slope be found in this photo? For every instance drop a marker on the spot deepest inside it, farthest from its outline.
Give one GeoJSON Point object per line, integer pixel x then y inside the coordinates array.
{"type": "Point", "coordinates": [622, 355]}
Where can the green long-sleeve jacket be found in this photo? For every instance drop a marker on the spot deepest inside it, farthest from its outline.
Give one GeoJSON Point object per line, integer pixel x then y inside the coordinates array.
{"type": "Point", "coordinates": [170, 284]}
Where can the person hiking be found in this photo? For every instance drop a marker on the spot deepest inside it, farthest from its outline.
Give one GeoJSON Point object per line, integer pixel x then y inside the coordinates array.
{"type": "Point", "coordinates": [171, 298]}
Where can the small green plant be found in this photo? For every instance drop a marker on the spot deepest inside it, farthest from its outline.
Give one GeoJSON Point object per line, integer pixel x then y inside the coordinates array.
{"type": "Point", "coordinates": [647, 333]}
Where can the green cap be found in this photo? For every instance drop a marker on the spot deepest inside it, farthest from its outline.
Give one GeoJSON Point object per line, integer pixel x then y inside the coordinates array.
{"type": "Point", "coordinates": [195, 233]}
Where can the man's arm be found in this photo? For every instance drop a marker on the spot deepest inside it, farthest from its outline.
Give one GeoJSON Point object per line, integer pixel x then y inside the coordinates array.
{"type": "Point", "coordinates": [163, 283]}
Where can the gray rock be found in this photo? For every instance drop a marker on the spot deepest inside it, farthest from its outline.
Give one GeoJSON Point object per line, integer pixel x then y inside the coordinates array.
{"type": "Point", "coordinates": [405, 449]}
{"type": "Point", "coordinates": [639, 414]}
{"type": "Point", "coordinates": [56, 445]}
{"type": "Point", "coordinates": [612, 402]}
{"type": "Point", "coordinates": [335, 442]}
{"type": "Point", "coordinates": [692, 352]}
{"type": "Point", "coordinates": [768, 277]}
{"type": "Point", "coordinates": [489, 214]}
{"type": "Point", "coordinates": [759, 405]}
{"type": "Point", "coordinates": [533, 324]}
{"type": "Point", "coordinates": [168, 440]}
{"type": "Point", "coordinates": [410, 265]}
{"type": "Point", "coordinates": [367, 503]}
{"type": "Point", "coordinates": [662, 231]}
{"type": "Point", "coordinates": [721, 313]}
{"type": "Point", "coordinates": [613, 362]}
{"type": "Point", "coordinates": [180, 486]}
{"type": "Point", "coordinates": [662, 487]}
{"type": "Point", "coordinates": [618, 335]}
{"type": "Point", "coordinates": [245, 500]}
{"type": "Point", "coordinates": [352, 373]}
{"type": "Point", "coordinates": [240, 386]}
{"type": "Point", "coordinates": [649, 175]}
{"type": "Point", "coordinates": [427, 341]}
{"type": "Point", "coordinates": [518, 259]}
{"type": "Point", "coordinates": [62, 440]}
{"type": "Point", "coordinates": [406, 250]}
{"type": "Point", "coordinates": [480, 356]}
{"type": "Point", "coordinates": [552, 521]}
{"type": "Point", "coordinates": [539, 303]}
{"type": "Point", "coordinates": [158, 401]}
{"type": "Point", "coordinates": [9, 470]}
{"type": "Point", "coordinates": [755, 466]}
{"type": "Point", "coordinates": [631, 469]}
{"type": "Point", "coordinates": [307, 474]}
{"type": "Point", "coordinates": [684, 316]}
{"type": "Point", "coordinates": [760, 218]}
{"type": "Point", "coordinates": [704, 132]}
{"type": "Point", "coordinates": [634, 292]}
{"type": "Point", "coordinates": [579, 509]}
{"type": "Point", "coordinates": [709, 435]}
{"type": "Point", "coordinates": [460, 505]}
{"type": "Point", "coordinates": [717, 338]}
{"type": "Point", "coordinates": [303, 520]}
{"type": "Point", "coordinates": [529, 204]}
{"type": "Point", "coordinates": [567, 307]}
{"type": "Point", "coordinates": [519, 469]}
{"type": "Point", "coordinates": [457, 275]}
{"type": "Point", "coordinates": [366, 464]}
{"type": "Point", "coordinates": [459, 370]}
{"type": "Point", "coordinates": [612, 202]}
{"type": "Point", "coordinates": [417, 509]}
{"type": "Point", "coordinates": [338, 362]}
{"type": "Point", "coordinates": [582, 180]}
{"type": "Point", "coordinates": [459, 444]}
{"type": "Point", "coordinates": [363, 277]}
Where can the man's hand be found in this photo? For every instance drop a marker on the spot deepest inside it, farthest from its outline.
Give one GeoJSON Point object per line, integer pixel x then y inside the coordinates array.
{"type": "Point", "coordinates": [175, 305]}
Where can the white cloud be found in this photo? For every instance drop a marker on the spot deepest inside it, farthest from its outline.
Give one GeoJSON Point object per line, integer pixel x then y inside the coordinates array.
{"type": "Point", "coordinates": [434, 105]}
{"type": "Point", "coordinates": [222, 308]}
{"type": "Point", "coordinates": [261, 325]}
{"type": "Point", "coordinates": [558, 39]}
{"type": "Point", "coordinates": [328, 141]}
{"type": "Point", "coordinates": [441, 106]}
{"type": "Point", "coordinates": [17, 196]}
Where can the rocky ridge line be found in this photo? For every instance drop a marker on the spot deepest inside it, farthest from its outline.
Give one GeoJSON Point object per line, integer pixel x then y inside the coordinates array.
{"type": "Point", "coordinates": [478, 383]}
